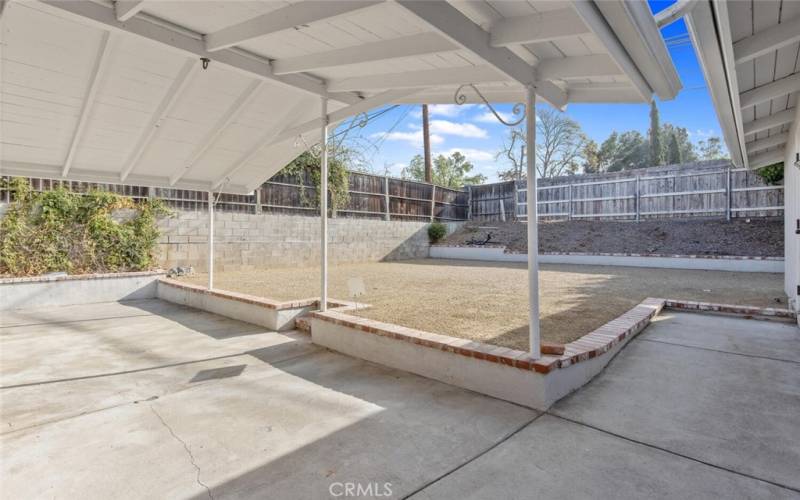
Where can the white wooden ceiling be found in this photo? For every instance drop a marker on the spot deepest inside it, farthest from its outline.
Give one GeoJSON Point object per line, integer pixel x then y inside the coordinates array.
{"type": "Point", "coordinates": [753, 70]}
{"type": "Point", "coordinates": [116, 92]}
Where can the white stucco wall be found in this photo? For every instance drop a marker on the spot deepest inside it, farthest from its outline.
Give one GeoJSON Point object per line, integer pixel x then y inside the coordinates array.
{"type": "Point", "coordinates": [792, 211]}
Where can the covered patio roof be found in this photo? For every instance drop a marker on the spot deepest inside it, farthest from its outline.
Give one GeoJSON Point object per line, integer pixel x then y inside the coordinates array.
{"type": "Point", "coordinates": [118, 93]}
{"type": "Point", "coordinates": [750, 55]}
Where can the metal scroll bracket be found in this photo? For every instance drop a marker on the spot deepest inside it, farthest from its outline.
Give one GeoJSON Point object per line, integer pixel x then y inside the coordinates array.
{"type": "Point", "coordinates": [460, 98]}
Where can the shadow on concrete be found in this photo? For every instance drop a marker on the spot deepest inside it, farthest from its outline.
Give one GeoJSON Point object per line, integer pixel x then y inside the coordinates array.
{"type": "Point", "coordinates": [212, 325]}
{"type": "Point", "coordinates": [405, 430]}
{"type": "Point", "coordinates": [218, 373]}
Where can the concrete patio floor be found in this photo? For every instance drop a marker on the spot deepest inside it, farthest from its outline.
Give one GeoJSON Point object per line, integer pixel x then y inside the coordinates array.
{"type": "Point", "coordinates": [149, 399]}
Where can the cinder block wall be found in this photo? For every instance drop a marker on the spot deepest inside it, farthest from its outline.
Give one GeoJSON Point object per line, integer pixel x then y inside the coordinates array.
{"type": "Point", "coordinates": [245, 241]}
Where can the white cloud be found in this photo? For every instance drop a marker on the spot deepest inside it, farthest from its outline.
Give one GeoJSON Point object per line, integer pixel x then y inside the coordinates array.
{"type": "Point", "coordinates": [412, 138]}
{"type": "Point", "coordinates": [473, 155]}
{"type": "Point", "coordinates": [460, 129]}
{"type": "Point", "coordinates": [703, 134]}
{"type": "Point", "coordinates": [488, 117]}
{"type": "Point", "coordinates": [447, 110]}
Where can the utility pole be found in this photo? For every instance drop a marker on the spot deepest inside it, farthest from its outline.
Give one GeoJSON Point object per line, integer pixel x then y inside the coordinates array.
{"type": "Point", "coordinates": [426, 138]}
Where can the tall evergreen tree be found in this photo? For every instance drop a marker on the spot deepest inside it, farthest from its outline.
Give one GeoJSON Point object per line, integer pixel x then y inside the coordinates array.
{"type": "Point", "coordinates": [674, 153]}
{"type": "Point", "coordinates": [656, 149]}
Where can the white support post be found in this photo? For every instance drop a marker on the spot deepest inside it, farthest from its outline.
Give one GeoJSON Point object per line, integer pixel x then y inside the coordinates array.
{"type": "Point", "coordinates": [211, 240]}
{"type": "Point", "coordinates": [533, 234]}
{"type": "Point", "coordinates": [323, 206]}
{"type": "Point", "coordinates": [638, 199]}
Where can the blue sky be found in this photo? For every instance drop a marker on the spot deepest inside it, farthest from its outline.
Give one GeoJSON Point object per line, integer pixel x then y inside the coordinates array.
{"type": "Point", "coordinates": [397, 133]}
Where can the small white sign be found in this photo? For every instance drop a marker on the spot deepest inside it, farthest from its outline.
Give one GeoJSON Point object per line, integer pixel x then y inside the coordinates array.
{"type": "Point", "coordinates": [356, 287]}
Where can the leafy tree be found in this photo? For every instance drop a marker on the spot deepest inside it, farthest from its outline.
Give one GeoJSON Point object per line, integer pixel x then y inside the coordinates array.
{"type": "Point", "coordinates": [592, 159]}
{"type": "Point", "coordinates": [684, 145]}
{"type": "Point", "coordinates": [626, 151]}
{"type": "Point", "coordinates": [448, 171]}
{"type": "Point", "coordinates": [654, 137]}
{"type": "Point", "coordinates": [674, 152]}
{"type": "Point", "coordinates": [711, 149]}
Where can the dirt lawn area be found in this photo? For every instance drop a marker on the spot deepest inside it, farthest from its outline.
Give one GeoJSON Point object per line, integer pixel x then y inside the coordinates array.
{"type": "Point", "coordinates": [488, 302]}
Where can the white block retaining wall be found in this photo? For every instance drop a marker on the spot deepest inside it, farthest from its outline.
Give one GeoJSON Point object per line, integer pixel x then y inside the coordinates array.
{"type": "Point", "coordinates": [52, 291]}
{"type": "Point", "coordinates": [250, 241]}
{"type": "Point", "coordinates": [719, 263]}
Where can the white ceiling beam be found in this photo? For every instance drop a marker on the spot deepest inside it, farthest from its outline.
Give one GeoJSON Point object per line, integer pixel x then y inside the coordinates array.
{"type": "Point", "coordinates": [263, 141]}
{"type": "Point", "coordinates": [3, 5]}
{"type": "Point", "coordinates": [126, 9]}
{"type": "Point", "coordinates": [763, 93]}
{"type": "Point", "coordinates": [233, 112]}
{"type": "Point", "coordinates": [390, 96]}
{"type": "Point", "coordinates": [768, 40]}
{"type": "Point", "coordinates": [185, 41]}
{"type": "Point", "coordinates": [419, 79]}
{"type": "Point", "coordinates": [773, 140]}
{"type": "Point", "coordinates": [293, 16]}
{"type": "Point", "coordinates": [763, 159]}
{"type": "Point", "coordinates": [674, 12]}
{"type": "Point", "coordinates": [164, 107]}
{"type": "Point", "coordinates": [98, 69]}
{"type": "Point", "coordinates": [768, 122]}
{"type": "Point", "coordinates": [603, 92]}
{"type": "Point", "coordinates": [541, 27]}
{"type": "Point", "coordinates": [577, 67]}
{"type": "Point", "coordinates": [451, 23]}
{"type": "Point", "coordinates": [588, 11]}
{"type": "Point", "coordinates": [407, 46]}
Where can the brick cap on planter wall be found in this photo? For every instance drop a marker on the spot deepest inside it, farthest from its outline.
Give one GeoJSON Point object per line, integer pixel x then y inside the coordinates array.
{"type": "Point", "coordinates": [587, 347]}
{"type": "Point", "coordinates": [745, 311]}
{"type": "Point", "coordinates": [261, 301]}
{"type": "Point", "coordinates": [76, 277]}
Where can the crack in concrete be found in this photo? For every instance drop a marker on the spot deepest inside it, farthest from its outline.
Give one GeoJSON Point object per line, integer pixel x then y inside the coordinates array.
{"type": "Point", "coordinates": [188, 452]}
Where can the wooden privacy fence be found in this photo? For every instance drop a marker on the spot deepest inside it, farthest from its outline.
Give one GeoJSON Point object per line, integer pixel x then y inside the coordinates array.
{"type": "Point", "coordinates": [703, 189]}
{"type": "Point", "coordinates": [370, 196]}
{"type": "Point", "coordinates": [707, 189]}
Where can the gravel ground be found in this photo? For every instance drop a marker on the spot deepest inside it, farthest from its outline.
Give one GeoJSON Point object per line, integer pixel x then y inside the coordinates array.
{"type": "Point", "coordinates": [759, 237]}
{"type": "Point", "coordinates": [488, 302]}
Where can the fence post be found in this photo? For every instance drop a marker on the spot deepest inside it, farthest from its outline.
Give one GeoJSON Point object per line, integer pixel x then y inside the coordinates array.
{"type": "Point", "coordinates": [387, 216]}
{"type": "Point", "coordinates": [569, 198]}
{"type": "Point", "coordinates": [516, 201]}
{"type": "Point", "coordinates": [433, 201]}
{"type": "Point", "coordinates": [258, 200]}
{"type": "Point", "coordinates": [638, 198]}
{"type": "Point", "coordinates": [469, 202]}
{"type": "Point", "coordinates": [729, 190]}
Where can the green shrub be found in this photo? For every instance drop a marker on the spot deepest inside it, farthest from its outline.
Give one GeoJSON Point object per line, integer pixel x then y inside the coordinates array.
{"type": "Point", "coordinates": [76, 233]}
{"type": "Point", "coordinates": [436, 231]}
{"type": "Point", "coordinates": [772, 174]}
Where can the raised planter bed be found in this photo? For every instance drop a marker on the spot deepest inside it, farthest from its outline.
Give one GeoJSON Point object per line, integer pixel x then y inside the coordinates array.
{"type": "Point", "coordinates": [261, 311]}
{"type": "Point", "coordinates": [65, 290]}
{"type": "Point", "coordinates": [500, 372]}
